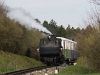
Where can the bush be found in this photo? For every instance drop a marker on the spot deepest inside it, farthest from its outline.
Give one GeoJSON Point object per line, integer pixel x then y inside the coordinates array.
{"type": "Point", "coordinates": [16, 38]}
{"type": "Point", "coordinates": [89, 47]}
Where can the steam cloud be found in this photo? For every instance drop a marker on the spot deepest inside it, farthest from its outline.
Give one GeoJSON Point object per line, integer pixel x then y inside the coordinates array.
{"type": "Point", "coordinates": [26, 19]}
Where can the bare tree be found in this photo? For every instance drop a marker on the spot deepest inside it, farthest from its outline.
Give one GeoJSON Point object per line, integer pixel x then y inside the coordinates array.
{"type": "Point", "coordinates": [3, 7]}
{"type": "Point", "coordinates": [96, 2]}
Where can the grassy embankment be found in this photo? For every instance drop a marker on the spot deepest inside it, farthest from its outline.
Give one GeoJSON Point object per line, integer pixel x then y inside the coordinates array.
{"type": "Point", "coordinates": [80, 69]}
{"type": "Point", "coordinates": [11, 62]}
{"type": "Point", "coordinates": [77, 70]}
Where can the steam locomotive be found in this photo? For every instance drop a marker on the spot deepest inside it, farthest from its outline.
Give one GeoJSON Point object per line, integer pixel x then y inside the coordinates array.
{"type": "Point", "coordinates": [57, 50]}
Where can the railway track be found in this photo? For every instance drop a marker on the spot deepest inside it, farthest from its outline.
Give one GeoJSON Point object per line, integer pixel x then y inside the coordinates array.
{"type": "Point", "coordinates": [43, 70]}
{"type": "Point", "coordinates": [26, 71]}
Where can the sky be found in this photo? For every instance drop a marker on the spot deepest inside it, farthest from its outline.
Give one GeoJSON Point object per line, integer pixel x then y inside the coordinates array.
{"type": "Point", "coordinates": [64, 12]}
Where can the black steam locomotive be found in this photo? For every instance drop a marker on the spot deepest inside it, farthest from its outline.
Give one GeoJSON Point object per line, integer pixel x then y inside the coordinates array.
{"type": "Point", "coordinates": [57, 50]}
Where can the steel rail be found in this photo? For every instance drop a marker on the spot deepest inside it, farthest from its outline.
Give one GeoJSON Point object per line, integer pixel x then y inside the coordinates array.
{"type": "Point", "coordinates": [21, 72]}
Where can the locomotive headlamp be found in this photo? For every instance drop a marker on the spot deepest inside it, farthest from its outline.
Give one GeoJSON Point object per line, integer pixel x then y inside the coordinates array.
{"type": "Point", "coordinates": [61, 49]}
{"type": "Point", "coordinates": [37, 49]}
{"type": "Point", "coordinates": [49, 36]}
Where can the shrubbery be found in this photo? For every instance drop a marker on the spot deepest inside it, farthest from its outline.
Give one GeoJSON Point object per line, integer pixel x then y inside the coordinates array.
{"type": "Point", "coordinates": [14, 37]}
{"type": "Point", "coordinates": [89, 46]}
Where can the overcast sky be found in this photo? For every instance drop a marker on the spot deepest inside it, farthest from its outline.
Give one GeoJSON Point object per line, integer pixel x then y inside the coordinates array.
{"type": "Point", "coordinates": [64, 12]}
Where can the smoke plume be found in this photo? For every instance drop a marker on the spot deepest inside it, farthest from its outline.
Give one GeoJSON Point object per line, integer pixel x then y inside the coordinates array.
{"type": "Point", "coordinates": [26, 19]}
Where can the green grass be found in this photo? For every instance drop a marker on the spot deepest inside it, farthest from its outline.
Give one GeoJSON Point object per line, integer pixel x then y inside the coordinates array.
{"type": "Point", "coordinates": [77, 70]}
{"type": "Point", "coordinates": [11, 62]}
